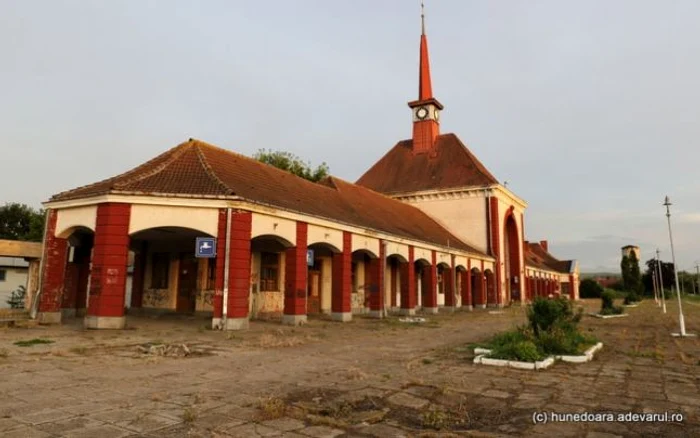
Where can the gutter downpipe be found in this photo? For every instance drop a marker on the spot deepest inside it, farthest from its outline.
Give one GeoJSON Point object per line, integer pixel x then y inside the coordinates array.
{"type": "Point", "coordinates": [227, 260]}
{"type": "Point", "coordinates": [40, 284]}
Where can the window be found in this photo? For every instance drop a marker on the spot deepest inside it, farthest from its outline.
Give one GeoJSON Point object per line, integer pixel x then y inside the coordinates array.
{"type": "Point", "coordinates": [269, 271]}
{"type": "Point", "coordinates": [3, 275]}
{"type": "Point", "coordinates": [160, 270]}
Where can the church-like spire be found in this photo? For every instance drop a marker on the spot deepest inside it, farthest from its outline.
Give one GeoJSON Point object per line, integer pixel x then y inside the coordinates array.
{"type": "Point", "coordinates": [426, 110]}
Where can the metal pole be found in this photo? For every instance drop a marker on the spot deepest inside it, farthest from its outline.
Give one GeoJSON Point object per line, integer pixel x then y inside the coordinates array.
{"type": "Point", "coordinates": [661, 280]}
{"type": "Point", "coordinates": [697, 277]}
{"type": "Point", "coordinates": [656, 290]}
{"type": "Point", "coordinates": [667, 203]}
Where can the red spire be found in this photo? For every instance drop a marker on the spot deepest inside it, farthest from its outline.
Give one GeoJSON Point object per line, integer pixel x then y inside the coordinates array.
{"type": "Point", "coordinates": [425, 87]}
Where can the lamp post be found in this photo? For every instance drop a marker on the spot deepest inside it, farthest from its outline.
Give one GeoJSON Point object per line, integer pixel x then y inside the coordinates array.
{"type": "Point", "coordinates": [661, 280]}
{"type": "Point", "coordinates": [667, 203]}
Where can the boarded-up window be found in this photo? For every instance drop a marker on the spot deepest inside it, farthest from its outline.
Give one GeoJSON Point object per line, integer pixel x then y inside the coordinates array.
{"type": "Point", "coordinates": [3, 275]}
{"type": "Point", "coordinates": [269, 271]}
{"type": "Point", "coordinates": [353, 277]}
{"type": "Point", "coordinates": [160, 270]}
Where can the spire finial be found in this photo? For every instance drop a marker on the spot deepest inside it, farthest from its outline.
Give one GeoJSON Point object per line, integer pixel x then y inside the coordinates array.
{"type": "Point", "coordinates": [422, 18]}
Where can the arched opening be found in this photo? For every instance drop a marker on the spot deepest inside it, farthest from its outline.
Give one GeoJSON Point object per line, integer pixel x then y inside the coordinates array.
{"type": "Point", "coordinates": [461, 281]}
{"type": "Point", "coordinates": [512, 259]}
{"type": "Point", "coordinates": [77, 271]}
{"type": "Point", "coordinates": [361, 285]}
{"type": "Point", "coordinates": [393, 280]}
{"type": "Point", "coordinates": [167, 274]}
{"type": "Point", "coordinates": [267, 276]}
{"type": "Point", "coordinates": [320, 278]}
{"type": "Point", "coordinates": [491, 298]}
{"type": "Point", "coordinates": [478, 295]}
{"type": "Point", "coordinates": [443, 281]}
{"type": "Point", "coordinates": [422, 279]}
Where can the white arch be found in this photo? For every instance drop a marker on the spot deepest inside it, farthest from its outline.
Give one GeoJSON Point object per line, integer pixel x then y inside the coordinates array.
{"type": "Point", "coordinates": [144, 217]}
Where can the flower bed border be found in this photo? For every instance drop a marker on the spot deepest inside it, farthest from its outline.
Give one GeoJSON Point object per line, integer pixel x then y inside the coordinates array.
{"type": "Point", "coordinates": [598, 315]}
{"type": "Point", "coordinates": [482, 358]}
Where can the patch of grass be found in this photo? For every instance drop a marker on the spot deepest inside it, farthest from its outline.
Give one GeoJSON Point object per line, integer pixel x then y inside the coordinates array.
{"type": "Point", "coordinates": [271, 407]}
{"type": "Point", "coordinates": [35, 341]}
{"type": "Point", "coordinates": [427, 361]}
{"type": "Point", "coordinates": [656, 355]}
{"type": "Point", "coordinates": [4, 352]}
{"type": "Point", "coordinates": [435, 419]}
{"type": "Point", "coordinates": [189, 415]}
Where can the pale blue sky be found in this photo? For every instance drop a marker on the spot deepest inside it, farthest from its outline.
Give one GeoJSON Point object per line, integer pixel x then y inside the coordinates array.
{"type": "Point", "coordinates": [589, 109]}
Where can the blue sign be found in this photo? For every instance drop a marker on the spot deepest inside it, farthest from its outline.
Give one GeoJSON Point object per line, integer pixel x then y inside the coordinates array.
{"type": "Point", "coordinates": [205, 247]}
{"type": "Point", "coordinates": [310, 257]}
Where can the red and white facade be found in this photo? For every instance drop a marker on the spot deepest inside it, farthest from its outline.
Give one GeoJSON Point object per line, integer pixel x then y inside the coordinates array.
{"type": "Point", "coordinates": [448, 236]}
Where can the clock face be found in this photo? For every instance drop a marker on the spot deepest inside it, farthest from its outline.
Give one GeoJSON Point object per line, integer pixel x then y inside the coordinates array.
{"type": "Point", "coordinates": [422, 112]}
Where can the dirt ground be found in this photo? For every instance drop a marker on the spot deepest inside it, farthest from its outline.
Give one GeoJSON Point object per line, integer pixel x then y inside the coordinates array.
{"type": "Point", "coordinates": [172, 376]}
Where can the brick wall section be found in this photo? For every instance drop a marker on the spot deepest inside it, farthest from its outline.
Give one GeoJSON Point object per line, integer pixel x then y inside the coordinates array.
{"type": "Point", "coordinates": [296, 272]}
{"type": "Point", "coordinates": [430, 283]}
{"type": "Point", "coordinates": [55, 250]}
{"type": "Point", "coordinates": [239, 264]}
{"type": "Point", "coordinates": [342, 270]}
{"type": "Point", "coordinates": [496, 236]}
{"type": "Point", "coordinates": [218, 299]}
{"type": "Point", "coordinates": [110, 259]}
{"type": "Point", "coordinates": [408, 282]}
{"type": "Point", "coordinates": [375, 285]}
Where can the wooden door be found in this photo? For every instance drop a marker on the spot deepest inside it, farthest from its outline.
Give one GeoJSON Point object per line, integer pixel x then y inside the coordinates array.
{"type": "Point", "coordinates": [314, 296]}
{"type": "Point", "coordinates": [187, 283]}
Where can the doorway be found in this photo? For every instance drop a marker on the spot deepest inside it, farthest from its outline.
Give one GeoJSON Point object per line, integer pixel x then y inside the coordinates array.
{"type": "Point", "coordinates": [187, 283]}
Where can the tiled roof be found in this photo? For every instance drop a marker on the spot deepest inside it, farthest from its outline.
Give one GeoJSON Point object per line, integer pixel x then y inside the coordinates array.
{"type": "Point", "coordinates": [451, 166]}
{"type": "Point", "coordinates": [537, 257]}
{"type": "Point", "coordinates": [198, 169]}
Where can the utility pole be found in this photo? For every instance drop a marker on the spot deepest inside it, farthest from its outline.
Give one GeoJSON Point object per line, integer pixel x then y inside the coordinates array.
{"type": "Point", "coordinates": [697, 276]}
{"type": "Point", "coordinates": [656, 290]}
{"type": "Point", "coordinates": [661, 280]}
{"type": "Point", "coordinates": [681, 320]}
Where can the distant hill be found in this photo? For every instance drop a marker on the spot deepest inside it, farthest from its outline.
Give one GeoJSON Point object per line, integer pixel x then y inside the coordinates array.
{"type": "Point", "coordinates": [600, 274]}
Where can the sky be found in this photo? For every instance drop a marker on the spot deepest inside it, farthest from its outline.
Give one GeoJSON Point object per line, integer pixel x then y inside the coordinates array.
{"type": "Point", "coordinates": [588, 109]}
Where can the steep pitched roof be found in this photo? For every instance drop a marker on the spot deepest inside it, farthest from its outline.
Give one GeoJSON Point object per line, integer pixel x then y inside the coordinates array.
{"type": "Point", "coordinates": [200, 169]}
{"type": "Point", "coordinates": [451, 166]}
{"type": "Point", "coordinates": [537, 257]}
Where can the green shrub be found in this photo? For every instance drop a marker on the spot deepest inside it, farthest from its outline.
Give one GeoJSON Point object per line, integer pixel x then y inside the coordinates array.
{"type": "Point", "coordinates": [506, 338]}
{"type": "Point", "coordinates": [525, 351]}
{"type": "Point", "coordinates": [545, 314]}
{"type": "Point", "coordinates": [632, 297]}
{"type": "Point", "coordinates": [607, 300]}
{"type": "Point", "coordinates": [590, 289]}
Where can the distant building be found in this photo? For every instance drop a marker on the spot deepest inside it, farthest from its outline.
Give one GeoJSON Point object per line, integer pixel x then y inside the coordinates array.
{"type": "Point", "coordinates": [629, 249]}
{"type": "Point", "coordinates": [13, 274]}
{"type": "Point", "coordinates": [607, 281]}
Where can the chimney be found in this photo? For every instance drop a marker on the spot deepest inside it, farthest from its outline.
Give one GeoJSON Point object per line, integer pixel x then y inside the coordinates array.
{"type": "Point", "coordinates": [543, 244]}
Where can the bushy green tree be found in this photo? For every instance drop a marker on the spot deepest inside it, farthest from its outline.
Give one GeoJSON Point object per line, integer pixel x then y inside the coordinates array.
{"type": "Point", "coordinates": [625, 271]}
{"type": "Point", "coordinates": [292, 164]}
{"type": "Point", "coordinates": [21, 222]}
{"type": "Point", "coordinates": [589, 288]}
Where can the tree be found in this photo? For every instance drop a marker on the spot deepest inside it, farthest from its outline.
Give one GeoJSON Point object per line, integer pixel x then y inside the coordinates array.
{"type": "Point", "coordinates": [666, 274]}
{"type": "Point", "coordinates": [17, 297]}
{"type": "Point", "coordinates": [635, 276]}
{"type": "Point", "coordinates": [589, 288]}
{"type": "Point", "coordinates": [625, 271]}
{"type": "Point", "coordinates": [293, 164]}
{"type": "Point", "coordinates": [21, 222]}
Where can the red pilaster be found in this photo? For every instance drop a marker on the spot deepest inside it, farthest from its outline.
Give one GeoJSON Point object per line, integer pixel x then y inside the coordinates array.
{"type": "Point", "coordinates": [110, 259]}
{"type": "Point", "coordinates": [218, 299]}
{"type": "Point", "coordinates": [449, 284]}
{"type": "Point", "coordinates": [296, 273]}
{"type": "Point", "coordinates": [239, 265]}
{"type": "Point", "coordinates": [430, 283]}
{"type": "Point", "coordinates": [496, 236]}
{"type": "Point", "coordinates": [55, 253]}
{"type": "Point", "coordinates": [467, 285]}
{"type": "Point", "coordinates": [375, 285]}
{"type": "Point", "coordinates": [139, 276]}
{"type": "Point", "coordinates": [572, 287]}
{"type": "Point", "coordinates": [408, 282]}
{"type": "Point", "coordinates": [342, 267]}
